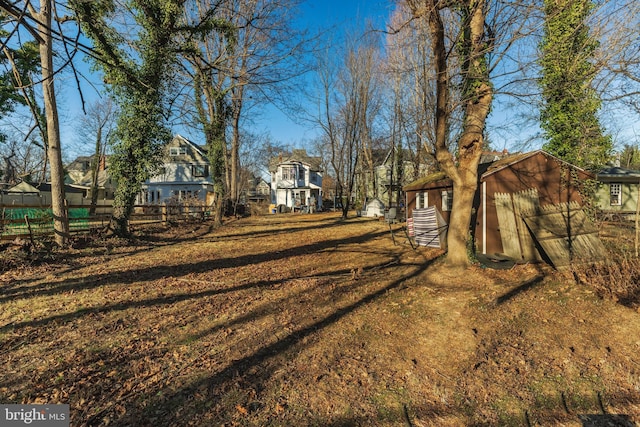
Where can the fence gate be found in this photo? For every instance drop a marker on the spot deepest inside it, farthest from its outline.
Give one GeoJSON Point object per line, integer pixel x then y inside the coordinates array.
{"type": "Point", "coordinates": [565, 233]}
{"type": "Point", "coordinates": [517, 242]}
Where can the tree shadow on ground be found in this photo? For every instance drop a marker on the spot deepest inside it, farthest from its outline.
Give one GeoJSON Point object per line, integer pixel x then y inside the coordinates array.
{"type": "Point", "coordinates": [520, 288]}
{"type": "Point", "coordinates": [22, 289]}
{"type": "Point", "coordinates": [254, 369]}
{"type": "Point", "coordinates": [166, 300]}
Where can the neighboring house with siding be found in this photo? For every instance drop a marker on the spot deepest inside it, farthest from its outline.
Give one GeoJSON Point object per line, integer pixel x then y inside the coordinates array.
{"type": "Point", "coordinates": [296, 180]}
{"type": "Point", "coordinates": [259, 190]}
{"type": "Point", "coordinates": [618, 191]}
{"type": "Point", "coordinates": [185, 174]}
{"type": "Point", "coordinates": [392, 171]}
{"type": "Point", "coordinates": [80, 175]}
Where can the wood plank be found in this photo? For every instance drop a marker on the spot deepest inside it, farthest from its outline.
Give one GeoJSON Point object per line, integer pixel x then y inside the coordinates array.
{"type": "Point", "coordinates": [508, 227]}
{"type": "Point", "coordinates": [526, 201]}
{"type": "Point", "coordinates": [565, 233]}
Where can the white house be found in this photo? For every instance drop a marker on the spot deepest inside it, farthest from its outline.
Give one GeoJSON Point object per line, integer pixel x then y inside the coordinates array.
{"type": "Point", "coordinates": [184, 174]}
{"type": "Point", "coordinates": [296, 181]}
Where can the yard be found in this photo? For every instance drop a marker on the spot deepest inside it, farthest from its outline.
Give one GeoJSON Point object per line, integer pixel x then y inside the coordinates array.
{"type": "Point", "coordinates": [308, 320]}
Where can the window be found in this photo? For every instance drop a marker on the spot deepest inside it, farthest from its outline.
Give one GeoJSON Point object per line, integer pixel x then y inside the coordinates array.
{"type": "Point", "coordinates": [200, 170]}
{"type": "Point", "coordinates": [288, 173]}
{"type": "Point", "coordinates": [447, 200]}
{"type": "Point", "coordinates": [615, 191]}
{"type": "Point", "coordinates": [422, 199]}
{"type": "Point", "coordinates": [176, 151]}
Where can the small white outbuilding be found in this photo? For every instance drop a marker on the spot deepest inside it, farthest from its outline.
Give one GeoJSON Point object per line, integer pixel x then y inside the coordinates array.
{"type": "Point", "coordinates": [374, 208]}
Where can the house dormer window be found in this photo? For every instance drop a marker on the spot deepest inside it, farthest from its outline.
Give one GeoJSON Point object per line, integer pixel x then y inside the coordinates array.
{"type": "Point", "coordinates": [177, 151]}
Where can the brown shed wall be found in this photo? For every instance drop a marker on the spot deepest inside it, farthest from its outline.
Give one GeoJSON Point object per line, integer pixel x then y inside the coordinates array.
{"type": "Point", "coordinates": [435, 199]}
{"type": "Point", "coordinates": [550, 176]}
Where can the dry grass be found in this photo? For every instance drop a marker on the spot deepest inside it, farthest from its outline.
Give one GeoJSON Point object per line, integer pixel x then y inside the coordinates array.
{"type": "Point", "coordinates": [617, 275]}
{"type": "Point", "coordinates": [308, 320]}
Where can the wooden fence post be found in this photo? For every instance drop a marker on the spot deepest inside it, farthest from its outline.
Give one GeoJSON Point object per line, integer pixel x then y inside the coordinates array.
{"type": "Point", "coordinates": [33, 243]}
{"type": "Point", "coordinates": [165, 216]}
{"type": "Point", "coordinates": [638, 220]}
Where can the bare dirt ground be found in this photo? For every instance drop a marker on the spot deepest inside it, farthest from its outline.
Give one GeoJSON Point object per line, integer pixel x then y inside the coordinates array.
{"type": "Point", "coordinates": [307, 320]}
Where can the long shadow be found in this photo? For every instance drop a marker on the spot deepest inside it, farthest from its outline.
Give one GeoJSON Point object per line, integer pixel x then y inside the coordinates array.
{"type": "Point", "coordinates": [273, 232]}
{"type": "Point", "coordinates": [522, 287]}
{"type": "Point", "coordinates": [600, 420]}
{"type": "Point", "coordinates": [169, 299]}
{"type": "Point", "coordinates": [273, 306]}
{"type": "Point", "coordinates": [174, 400]}
{"type": "Point", "coordinates": [124, 277]}
{"type": "Point", "coordinates": [150, 242]}
{"type": "Point", "coordinates": [289, 226]}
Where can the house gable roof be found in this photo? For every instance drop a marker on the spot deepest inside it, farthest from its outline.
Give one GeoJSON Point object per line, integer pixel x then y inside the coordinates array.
{"type": "Point", "coordinates": [297, 156]}
{"type": "Point", "coordinates": [179, 140]}
{"type": "Point", "coordinates": [433, 180]}
{"type": "Point", "coordinates": [81, 163]}
{"type": "Point", "coordinates": [46, 187]}
{"type": "Point", "coordinates": [23, 187]}
{"type": "Point", "coordinates": [516, 158]}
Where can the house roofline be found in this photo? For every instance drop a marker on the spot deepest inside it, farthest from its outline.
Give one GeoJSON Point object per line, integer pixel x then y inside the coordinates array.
{"type": "Point", "coordinates": [193, 144]}
{"type": "Point", "coordinates": [619, 174]}
{"type": "Point", "coordinates": [439, 179]}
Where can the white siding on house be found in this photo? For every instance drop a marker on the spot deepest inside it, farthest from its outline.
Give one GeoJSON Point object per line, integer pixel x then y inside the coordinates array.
{"type": "Point", "coordinates": [184, 174]}
{"type": "Point", "coordinates": [295, 184]}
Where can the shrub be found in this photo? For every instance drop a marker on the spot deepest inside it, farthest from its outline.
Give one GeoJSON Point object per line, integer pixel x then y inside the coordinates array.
{"type": "Point", "coordinates": [617, 278]}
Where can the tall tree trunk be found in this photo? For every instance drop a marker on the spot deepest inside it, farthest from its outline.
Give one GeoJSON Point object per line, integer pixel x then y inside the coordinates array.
{"type": "Point", "coordinates": [58, 206]}
{"type": "Point", "coordinates": [234, 172]}
{"type": "Point", "coordinates": [478, 94]}
{"type": "Point", "coordinates": [95, 170]}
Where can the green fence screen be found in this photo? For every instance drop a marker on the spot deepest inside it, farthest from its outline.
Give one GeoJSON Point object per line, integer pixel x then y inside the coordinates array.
{"type": "Point", "coordinates": [40, 220]}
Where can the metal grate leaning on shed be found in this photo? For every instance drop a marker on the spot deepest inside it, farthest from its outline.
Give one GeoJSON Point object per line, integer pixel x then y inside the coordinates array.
{"type": "Point", "coordinates": [429, 228]}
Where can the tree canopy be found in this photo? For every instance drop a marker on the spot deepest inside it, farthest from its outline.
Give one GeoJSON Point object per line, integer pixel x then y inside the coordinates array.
{"type": "Point", "coordinates": [569, 115]}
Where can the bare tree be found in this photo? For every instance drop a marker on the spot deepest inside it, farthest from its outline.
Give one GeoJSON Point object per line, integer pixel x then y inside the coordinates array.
{"type": "Point", "coordinates": [20, 160]}
{"type": "Point", "coordinates": [97, 126]}
{"type": "Point", "coordinates": [346, 109]}
{"type": "Point", "coordinates": [38, 22]}
{"type": "Point", "coordinates": [409, 65]}
{"type": "Point", "coordinates": [249, 57]}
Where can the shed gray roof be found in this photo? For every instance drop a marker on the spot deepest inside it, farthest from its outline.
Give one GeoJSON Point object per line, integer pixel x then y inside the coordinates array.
{"type": "Point", "coordinates": [616, 173]}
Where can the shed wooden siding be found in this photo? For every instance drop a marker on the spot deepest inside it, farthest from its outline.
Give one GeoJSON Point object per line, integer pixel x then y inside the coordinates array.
{"type": "Point", "coordinates": [435, 199]}
{"type": "Point", "coordinates": [540, 171]}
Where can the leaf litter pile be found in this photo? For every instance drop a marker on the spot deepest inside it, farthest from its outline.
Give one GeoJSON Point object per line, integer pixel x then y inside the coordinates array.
{"type": "Point", "coordinates": [309, 320]}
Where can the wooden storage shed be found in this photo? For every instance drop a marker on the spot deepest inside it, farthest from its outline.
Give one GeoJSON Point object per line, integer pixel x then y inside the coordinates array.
{"type": "Point", "coordinates": [507, 188]}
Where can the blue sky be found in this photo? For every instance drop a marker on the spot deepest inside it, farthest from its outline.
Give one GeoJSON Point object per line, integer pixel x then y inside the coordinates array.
{"type": "Point", "coordinates": [334, 16]}
{"type": "Point", "coordinates": [316, 15]}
